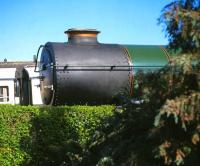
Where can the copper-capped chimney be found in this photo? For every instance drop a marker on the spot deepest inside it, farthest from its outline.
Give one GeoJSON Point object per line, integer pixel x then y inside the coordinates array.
{"type": "Point", "coordinates": [82, 36]}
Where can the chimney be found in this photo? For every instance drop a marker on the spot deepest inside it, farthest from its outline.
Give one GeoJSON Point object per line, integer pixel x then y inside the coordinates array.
{"type": "Point", "coordinates": [82, 36]}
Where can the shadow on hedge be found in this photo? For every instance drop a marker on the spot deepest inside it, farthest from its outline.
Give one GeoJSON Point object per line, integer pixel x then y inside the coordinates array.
{"type": "Point", "coordinates": [50, 138]}
{"type": "Point", "coordinates": [123, 140]}
{"type": "Point", "coordinates": [59, 135]}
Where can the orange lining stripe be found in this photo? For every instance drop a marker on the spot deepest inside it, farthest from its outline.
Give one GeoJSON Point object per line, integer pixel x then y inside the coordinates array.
{"type": "Point", "coordinates": [130, 73]}
{"type": "Point", "coordinates": [170, 61]}
{"type": "Point", "coordinates": [82, 35]}
{"type": "Point", "coordinates": [166, 54]}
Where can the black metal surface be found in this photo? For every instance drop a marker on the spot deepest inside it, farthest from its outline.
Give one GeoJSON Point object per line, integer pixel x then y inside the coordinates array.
{"type": "Point", "coordinates": [26, 91]}
{"type": "Point", "coordinates": [77, 73]}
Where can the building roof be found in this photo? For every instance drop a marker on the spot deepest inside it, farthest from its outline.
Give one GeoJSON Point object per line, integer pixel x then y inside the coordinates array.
{"type": "Point", "coordinates": [19, 65]}
{"type": "Point", "coordinates": [31, 72]}
{"type": "Point", "coordinates": [7, 73]}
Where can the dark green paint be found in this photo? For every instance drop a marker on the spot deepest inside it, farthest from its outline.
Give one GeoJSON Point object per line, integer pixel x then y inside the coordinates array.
{"type": "Point", "coordinates": [147, 56]}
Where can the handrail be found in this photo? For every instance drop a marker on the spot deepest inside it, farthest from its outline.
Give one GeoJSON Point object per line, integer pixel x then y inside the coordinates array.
{"type": "Point", "coordinates": [36, 62]}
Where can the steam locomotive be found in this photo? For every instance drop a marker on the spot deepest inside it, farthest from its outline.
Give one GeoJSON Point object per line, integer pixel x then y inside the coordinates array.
{"type": "Point", "coordinates": [84, 71]}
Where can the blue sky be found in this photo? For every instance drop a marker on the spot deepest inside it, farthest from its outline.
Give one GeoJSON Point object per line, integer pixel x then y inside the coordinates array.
{"type": "Point", "coordinates": [25, 24]}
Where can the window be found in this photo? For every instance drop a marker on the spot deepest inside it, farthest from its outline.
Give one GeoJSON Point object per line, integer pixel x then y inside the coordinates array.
{"type": "Point", "coordinates": [17, 88]}
{"type": "Point", "coordinates": [4, 95]}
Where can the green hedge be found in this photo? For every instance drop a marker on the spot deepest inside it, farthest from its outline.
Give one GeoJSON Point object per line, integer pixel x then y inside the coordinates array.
{"type": "Point", "coordinates": [47, 135]}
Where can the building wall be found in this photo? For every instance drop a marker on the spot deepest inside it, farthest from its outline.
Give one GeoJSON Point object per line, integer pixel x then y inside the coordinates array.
{"type": "Point", "coordinates": [10, 85]}
{"type": "Point", "coordinates": [7, 83]}
{"type": "Point", "coordinates": [10, 73]}
{"type": "Point", "coordinates": [36, 95]}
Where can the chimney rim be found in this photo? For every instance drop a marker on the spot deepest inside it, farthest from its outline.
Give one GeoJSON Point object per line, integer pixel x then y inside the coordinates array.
{"type": "Point", "coordinates": [82, 31]}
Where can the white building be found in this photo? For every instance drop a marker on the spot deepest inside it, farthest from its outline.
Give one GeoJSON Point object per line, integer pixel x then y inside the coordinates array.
{"type": "Point", "coordinates": [31, 86]}
{"type": "Point", "coordinates": [8, 86]}
{"type": "Point", "coordinates": [19, 84]}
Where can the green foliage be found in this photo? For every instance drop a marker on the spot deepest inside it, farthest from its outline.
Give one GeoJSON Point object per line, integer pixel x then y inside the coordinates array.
{"type": "Point", "coordinates": [161, 126]}
{"type": "Point", "coordinates": [47, 135]}
{"type": "Point", "coordinates": [14, 125]}
{"type": "Point", "coordinates": [181, 22]}
{"type": "Point", "coordinates": [184, 140]}
{"type": "Point", "coordinates": [162, 129]}
{"type": "Point", "coordinates": [105, 161]}
{"type": "Point", "coordinates": [178, 119]}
